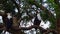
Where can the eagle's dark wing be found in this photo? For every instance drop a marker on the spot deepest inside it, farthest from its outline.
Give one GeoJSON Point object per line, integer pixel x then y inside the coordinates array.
{"type": "Point", "coordinates": [37, 21]}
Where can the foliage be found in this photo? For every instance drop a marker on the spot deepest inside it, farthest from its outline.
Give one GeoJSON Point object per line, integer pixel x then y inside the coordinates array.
{"type": "Point", "coordinates": [9, 6]}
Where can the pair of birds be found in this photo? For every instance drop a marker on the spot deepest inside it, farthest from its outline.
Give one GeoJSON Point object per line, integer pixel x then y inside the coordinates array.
{"type": "Point", "coordinates": [36, 21]}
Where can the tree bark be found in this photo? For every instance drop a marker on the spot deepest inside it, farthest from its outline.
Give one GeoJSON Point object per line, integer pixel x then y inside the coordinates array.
{"type": "Point", "coordinates": [58, 16]}
{"type": "Point", "coordinates": [58, 25]}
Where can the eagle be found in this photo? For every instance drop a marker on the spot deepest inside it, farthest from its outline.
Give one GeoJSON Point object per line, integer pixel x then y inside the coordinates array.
{"type": "Point", "coordinates": [36, 21]}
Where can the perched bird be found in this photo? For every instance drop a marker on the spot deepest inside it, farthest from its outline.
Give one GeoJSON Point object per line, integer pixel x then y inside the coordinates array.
{"type": "Point", "coordinates": [36, 21]}
{"type": "Point", "coordinates": [9, 21]}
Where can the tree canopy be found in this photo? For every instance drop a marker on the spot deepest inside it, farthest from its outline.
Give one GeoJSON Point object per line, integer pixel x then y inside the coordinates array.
{"type": "Point", "coordinates": [25, 11]}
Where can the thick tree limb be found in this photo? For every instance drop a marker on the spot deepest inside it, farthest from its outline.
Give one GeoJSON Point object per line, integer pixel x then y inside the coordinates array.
{"type": "Point", "coordinates": [15, 28]}
{"type": "Point", "coordinates": [58, 15]}
{"type": "Point", "coordinates": [30, 27]}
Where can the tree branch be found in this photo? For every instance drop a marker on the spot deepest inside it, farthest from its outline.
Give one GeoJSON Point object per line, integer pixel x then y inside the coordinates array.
{"type": "Point", "coordinates": [38, 27]}
{"type": "Point", "coordinates": [15, 28]}
{"type": "Point", "coordinates": [17, 5]}
{"type": "Point", "coordinates": [43, 9]}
